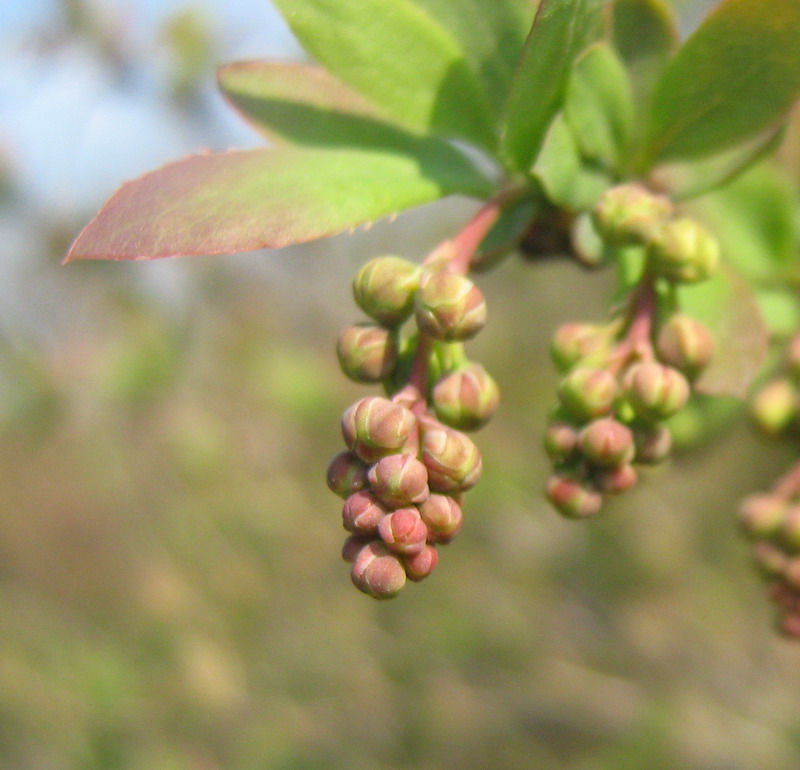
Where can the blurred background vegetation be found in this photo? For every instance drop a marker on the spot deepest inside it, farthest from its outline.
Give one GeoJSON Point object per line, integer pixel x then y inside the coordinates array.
{"type": "Point", "coordinates": [170, 584]}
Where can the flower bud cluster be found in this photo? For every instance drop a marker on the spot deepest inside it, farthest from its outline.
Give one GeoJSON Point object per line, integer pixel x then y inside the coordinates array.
{"type": "Point", "coordinates": [407, 461]}
{"type": "Point", "coordinates": [771, 521]}
{"type": "Point", "coordinates": [775, 408]}
{"type": "Point", "coordinates": [614, 398]}
{"type": "Point", "coordinates": [678, 248]}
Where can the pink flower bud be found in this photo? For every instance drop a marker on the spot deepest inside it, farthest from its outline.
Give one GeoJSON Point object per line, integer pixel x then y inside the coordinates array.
{"type": "Point", "coordinates": [362, 512]}
{"type": "Point", "coordinates": [453, 461]}
{"type": "Point", "coordinates": [403, 531]}
{"type": "Point", "coordinates": [685, 344]}
{"type": "Point", "coordinates": [629, 213]}
{"type": "Point", "coordinates": [367, 353]}
{"type": "Point", "coordinates": [420, 565]}
{"type": "Point", "coordinates": [761, 516]}
{"type": "Point", "coordinates": [586, 393]}
{"type": "Point", "coordinates": [571, 498]}
{"type": "Point", "coordinates": [561, 441]}
{"type": "Point", "coordinates": [578, 343]}
{"type": "Point", "coordinates": [655, 391]}
{"type": "Point", "coordinates": [607, 443]}
{"type": "Point", "coordinates": [614, 481]}
{"type": "Point", "coordinates": [374, 427]}
{"type": "Point", "coordinates": [377, 571]}
{"type": "Point", "coordinates": [442, 516]}
{"type": "Point", "coordinates": [353, 545]}
{"type": "Point", "coordinates": [384, 289]}
{"type": "Point", "coordinates": [346, 474]}
{"type": "Point", "coordinates": [467, 398]}
{"type": "Point", "coordinates": [771, 560]}
{"type": "Point", "coordinates": [450, 307]}
{"type": "Point", "coordinates": [399, 480]}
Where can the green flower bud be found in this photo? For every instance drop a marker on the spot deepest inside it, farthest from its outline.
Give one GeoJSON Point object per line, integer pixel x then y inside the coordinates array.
{"type": "Point", "coordinates": [399, 480]}
{"type": "Point", "coordinates": [385, 287]}
{"type": "Point", "coordinates": [346, 474]}
{"type": "Point", "coordinates": [607, 443]}
{"type": "Point", "coordinates": [655, 391]}
{"type": "Point", "coordinates": [467, 398]}
{"type": "Point", "coordinates": [450, 307]}
{"type": "Point", "coordinates": [770, 560]}
{"type": "Point", "coordinates": [626, 215]}
{"type": "Point", "coordinates": [374, 427]}
{"type": "Point", "coordinates": [685, 344]}
{"type": "Point", "coordinates": [614, 481]}
{"type": "Point", "coordinates": [683, 251]}
{"type": "Point", "coordinates": [561, 441]}
{"type": "Point", "coordinates": [774, 407]}
{"type": "Point", "coordinates": [442, 516]}
{"type": "Point", "coordinates": [362, 512]}
{"type": "Point", "coordinates": [403, 531]}
{"type": "Point", "coordinates": [575, 343]}
{"type": "Point", "coordinates": [790, 527]}
{"type": "Point", "coordinates": [453, 461]}
{"type": "Point", "coordinates": [571, 498]}
{"type": "Point", "coordinates": [353, 545]}
{"type": "Point", "coordinates": [653, 443]}
{"type": "Point", "coordinates": [367, 353]}
{"type": "Point", "coordinates": [586, 392]}
{"type": "Point", "coordinates": [761, 516]}
{"type": "Point", "coordinates": [377, 571]}
{"type": "Point", "coordinates": [420, 565]}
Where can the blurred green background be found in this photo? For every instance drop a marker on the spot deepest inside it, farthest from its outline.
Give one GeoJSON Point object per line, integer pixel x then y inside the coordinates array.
{"type": "Point", "coordinates": [171, 590]}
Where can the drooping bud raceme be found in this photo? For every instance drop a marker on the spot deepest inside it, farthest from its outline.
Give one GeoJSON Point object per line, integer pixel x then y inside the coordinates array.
{"type": "Point", "coordinates": [367, 353]}
{"type": "Point", "coordinates": [442, 516]}
{"type": "Point", "coordinates": [467, 398]}
{"type": "Point", "coordinates": [374, 427]}
{"type": "Point", "coordinates": [399, 480]}
{"type": "Point", "coordinates": [453, 461]}
{"type": "Point", "coordinates": [578, 343]}
{"type": "Point", "coordinates": [586, 392]}
{"type": "Point", "coordinates": [346, 474]}
{"type": "Point", "coordinates": [403, 531]}
{"type": "Point", "coordinates": [655, 391]}
{"type": "Point", "coordinates": [449, 307]}
{"type": "Point", "coordinates": [377, 571]}
{"type": "Point", "coordinates": [627, 215]}
{"type": "Point", "coordinates": [683, 251]}
{"type": "Point", "coordinates": [572, 498]}
{"type": "Point", "coordinates": [685, 344]}
{"type": "Point", "coordinates": [607, 443]}
{"type": "Point", "coordinates": [384, 289]}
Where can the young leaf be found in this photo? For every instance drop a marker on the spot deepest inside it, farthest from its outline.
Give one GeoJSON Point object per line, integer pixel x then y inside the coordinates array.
{"type": "Point", "coordinates": [400, 58]}
{"type": "Point", "coordinates": [735, 76]}
{"type": "Point", "coordinates": [245, 200]}
{"type": "Point", "coordinates": [561, 30]}
{"type": "Point", "coordinates": [599, 105]}
{"type": "Point", "coordinates": [727, 306]}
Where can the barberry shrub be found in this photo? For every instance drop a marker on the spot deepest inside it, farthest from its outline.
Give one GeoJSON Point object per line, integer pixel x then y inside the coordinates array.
{"type": "Point", "coordinates": [584, 128]}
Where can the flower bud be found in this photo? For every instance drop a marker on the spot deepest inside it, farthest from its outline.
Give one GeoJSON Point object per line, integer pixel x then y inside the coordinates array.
{"type": "Point", "coordinates": [450, 307]}
{"type": "Point", "coordinates": [683, 251]}
{"type": "Point", "coordinates": [571, 498]}
{"type": "Point", "coordinates": [453, 461]}
{"type": "Point", "coordinates": [377, 571]}
{"type": "Point", "coordinates": [770, 559]}
{"type": "Point", "coordinates": [420, 565]}
{"type": "Point", "coordinates": [655, 391]}
{"type": "Point", "coordinates": [575, 343]}
{"type": "Point", "coordinates": [467, 398]}
{"type": "Point", "coordinates": [607, 443]}
{"type": "Point", "coordinates": [614, 481]}
{"type": "Point", "coordinates": [784, 596]}
{"type": "Point", "coordinates": [653, 443]}
{"type": "Point", "coordinates": [353, 545]}
{"type": "Point", "coordinates": [628, 214]}
{"type": "Point", "coordinates": [560, 441]}
{"type": "Point", "coordinates": [586, 393]}
{"type": "Point", "coordinates": [367, 353]}
{"type": "Point", "coordinates": [346, 474]}
{"type": "Point", "coordinates": [790, 625]}
{"type": "Point", "coordinates": [774, 407]}
{"type": "Point", "coordinates": [384, 289]}
{"type": "Point", "coordinates": [362, 512]}
{"type": "Point", "coordinates": [398, 480]}
{"type": "Point", "coordinates": [685, 344]}
{"type": "Point", "coordinates": [403, 531]}
{"type": "Point", "coordinates": [761, 516]}
{"type": "Point", "coordinates": [374, 427]}
{"type": "Point", "coordinates": [442, 516]}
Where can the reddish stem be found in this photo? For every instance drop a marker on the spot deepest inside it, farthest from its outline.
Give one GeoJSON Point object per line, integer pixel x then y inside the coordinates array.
{"type": "Point", "coordinates": [636, 343]}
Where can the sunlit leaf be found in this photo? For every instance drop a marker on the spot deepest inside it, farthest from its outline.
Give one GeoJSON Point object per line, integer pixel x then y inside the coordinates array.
{"type": "Point", "coordinates": [561, 31]}
{"type": "Point", "coordinates": [734, 77]}
{"type": "Point", "coordinates": [245, 200]}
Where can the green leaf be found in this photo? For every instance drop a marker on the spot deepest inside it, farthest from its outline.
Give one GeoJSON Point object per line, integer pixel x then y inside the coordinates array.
{"type": "Point", "coordinates": [727, 306]}
{"type": "Point", "coordinates": [400, 58]}
{"type": "Point", "coordinates": [245, 200]}
{"type": "Point", "coordinates": [688, 180]}
{"type": "Point", "coordinates": [780, 310]}
{"type": "Point", "coordinates": [304, 104]}
{"type": "Point", "coordinates": [736, 76]}
{"type": "Point", "coordinates": [491, 36]}
{"type": "Point", "coordinates": [599, 105]}
{"type": "Point", "coordinates": [561, 31]}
